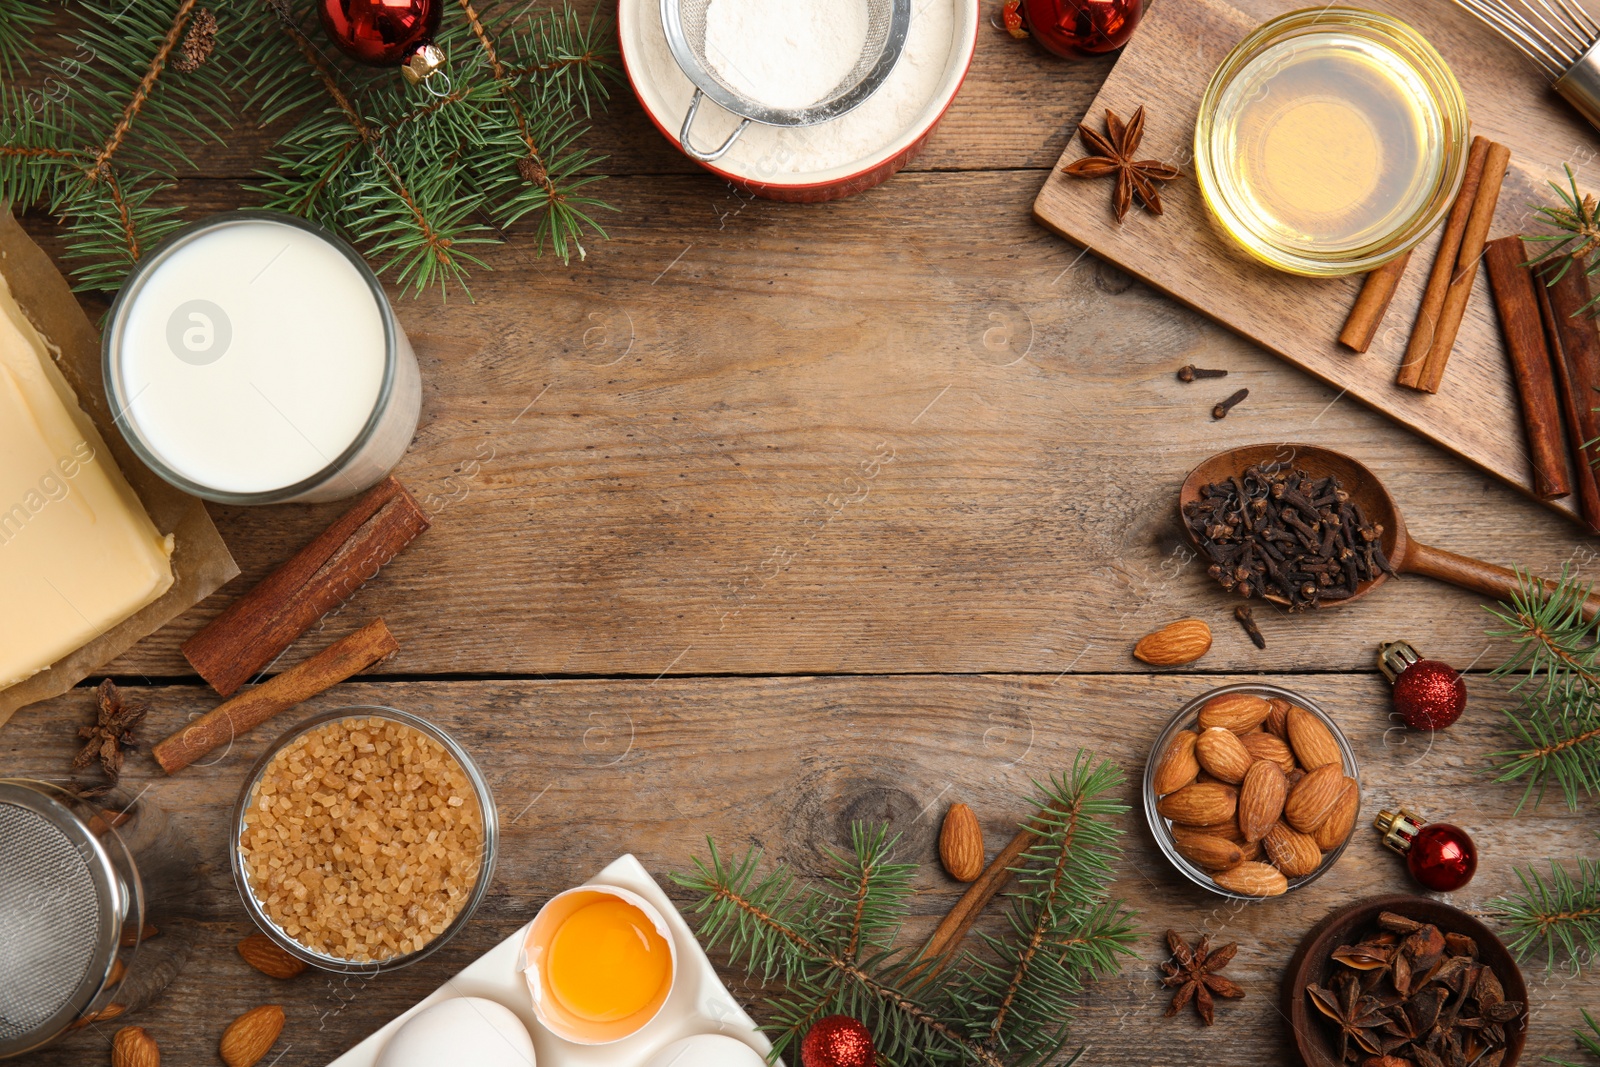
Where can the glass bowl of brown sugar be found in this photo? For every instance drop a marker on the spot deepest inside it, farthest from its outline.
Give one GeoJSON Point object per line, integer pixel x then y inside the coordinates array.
{"type": "Point", "coordinates": [365, 838]}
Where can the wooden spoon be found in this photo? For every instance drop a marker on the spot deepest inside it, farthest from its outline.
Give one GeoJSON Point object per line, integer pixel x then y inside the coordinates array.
{"type": "Point", "coordinates": [1406, 556]}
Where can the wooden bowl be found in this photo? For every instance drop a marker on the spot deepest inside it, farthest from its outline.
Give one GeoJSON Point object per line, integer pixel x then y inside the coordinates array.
{"type": "Point", "coordinates": [1313, 1038]}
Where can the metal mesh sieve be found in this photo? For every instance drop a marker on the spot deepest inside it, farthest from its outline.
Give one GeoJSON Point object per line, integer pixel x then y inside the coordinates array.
{"type": "Point", "coordinates": [57, 896]}
{"type": "Point", "coordinates": [685, 24]}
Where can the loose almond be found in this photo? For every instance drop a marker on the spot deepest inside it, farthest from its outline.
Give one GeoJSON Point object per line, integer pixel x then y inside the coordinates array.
{"type": "Point", "coordinates": [1223, 755]}
{"type": "Point", "coordinates": [1312, 742]}
{"type": "Point", "coordinates": [251, 1035]}
{"type": "Point", "coordinates": [1277, 720]}
{"type": "Point", "coordinates": [1313, 798]}
{"type": "Point", "coordinates": [262, 953]}
{"type": "Point", "coordinates": [1270, 747]}
{"type": "Point", "coordinates": [1261, 797]}
{"type": "Point", "coordinates": [1175, 644]}
{"type": "Point", "coordinates": [1239, 712]}
{"type": "Point", "coordinates": [1177, 767]}
{"type": "Point", "coordinates": [1253, 879]}
{"type": "Point", "coordinates": [1341, 819]}
{"type": "Point", "coordinates": [1228, 828]}
{"type": "Point", "coordinates": [132, 1047]}
{"type": "Point", "coordinates": [1212, 853]}
{"type": "Point", "coordinates": [1199, 804]}
{"type": "Point", "coordinates": [961, 844]}
{"type": "Point", "coordinates": [1292, 852]}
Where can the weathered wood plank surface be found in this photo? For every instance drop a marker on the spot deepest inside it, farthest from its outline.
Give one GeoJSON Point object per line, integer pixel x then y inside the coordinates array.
{"type": "Point", "coordinates": [905, 432]}
{"type": "Point", "coordinates": [585, 770]}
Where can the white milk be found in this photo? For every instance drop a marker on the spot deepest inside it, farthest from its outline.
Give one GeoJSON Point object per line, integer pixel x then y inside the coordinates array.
{"type": "Point", "coordinates": [250, 358]}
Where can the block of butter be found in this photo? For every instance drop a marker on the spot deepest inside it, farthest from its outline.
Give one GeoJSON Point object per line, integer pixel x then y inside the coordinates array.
{"type": "Point", "coordinates": [78, 553]}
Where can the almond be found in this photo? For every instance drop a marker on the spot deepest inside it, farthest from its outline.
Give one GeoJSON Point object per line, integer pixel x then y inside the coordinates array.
{"type": "Point", "coordinates": [1199, 804]}
{"type": "Point", "coordinates": [1175, 644]}
{"type": "Point", "coordinates": [1270, 747]}
{"type": "Point", "coordinates": [1312, 742]}
{"type": "Point", "coordinates": [1292, 852]}
{"type": "Point", "coordinates": [1177, 766]}
{"type": "Point", "coordinates": [1228, 829]}
{"type": "Point", "coordinates": [132, 1047]}
{"type": "Point", "coordinates": [1253, 879]}
{"type": "Point", "coordinates": [1314, 797]}
{"type": "Point", "coordinates": [1277, 720]}
{"type": "Point", "coordinates": [1239, 712]}
{"type": "Point", "coordinates": [1212, 853]}
{"type": "Point", "coordinates": [1223, 755]}
{"type": "Point", "coordinates": [1342, 819]}
{"type": "Point", "coordinates": [1261, 797]}
{"type": "Point", "coordinates": [248, 1037]}
{"type": "Point", "coordinates": [262, 953]}
{"type": "Point", "coordinates": [961, 844]}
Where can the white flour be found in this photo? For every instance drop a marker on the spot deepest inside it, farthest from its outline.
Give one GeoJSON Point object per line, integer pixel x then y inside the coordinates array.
{"type": "Point", "coordinates": [785, 53]}
{"type": "Point", "coordinates": [767, 152]}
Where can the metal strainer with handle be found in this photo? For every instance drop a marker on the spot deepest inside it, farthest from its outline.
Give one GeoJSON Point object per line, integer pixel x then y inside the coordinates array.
{"type": "Point", "coordinates": [685, 25]}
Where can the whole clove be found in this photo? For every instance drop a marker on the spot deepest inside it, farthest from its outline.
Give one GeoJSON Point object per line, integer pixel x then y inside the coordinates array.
{"type": "Point", "coordinates": [1408, 992]}
{"type": "Point", "coordinates": [1247, 620]}
{"type": "Point", "coordinates": [1280, 534]}
{"type": "Point", "coordinates": [1222, 409]}
{"type": "Point", "coordinates": [1189, 373]}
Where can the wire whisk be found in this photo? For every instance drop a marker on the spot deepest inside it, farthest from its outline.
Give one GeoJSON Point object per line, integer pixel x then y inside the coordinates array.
{"type": "Point", "coordinates": [1559, 36]}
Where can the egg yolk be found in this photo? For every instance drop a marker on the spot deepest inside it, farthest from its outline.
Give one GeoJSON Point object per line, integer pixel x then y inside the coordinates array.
{"type": "Point", "coordinates": [607, 961]}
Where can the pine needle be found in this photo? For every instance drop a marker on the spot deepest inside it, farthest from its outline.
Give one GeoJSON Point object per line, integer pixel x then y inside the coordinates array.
{"type": "Point", "coordinates": [832, 946]}
{"type": "Point", "coordinates": [1576, 224]}
{"type": "Point", "coordinates": [1558, 913]}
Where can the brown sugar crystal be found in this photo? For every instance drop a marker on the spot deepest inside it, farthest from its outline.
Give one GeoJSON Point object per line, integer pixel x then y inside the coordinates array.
{"type": "Point", "coordinates": [363, 839]}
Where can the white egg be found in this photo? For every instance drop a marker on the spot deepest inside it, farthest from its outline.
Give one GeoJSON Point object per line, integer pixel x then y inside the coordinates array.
{"type": "Point", "coordinates": [707, 1050]}
{"type": "Point", "coordinates": [460, 1030]}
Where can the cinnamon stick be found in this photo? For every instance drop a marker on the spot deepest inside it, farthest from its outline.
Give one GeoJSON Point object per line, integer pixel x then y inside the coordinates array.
{"type": "Point", "coordinates": [1372, 304]}
{"type": "Point", "coordinates": [1444, 268]}
{"type": "Point", "coordinates": [349, 655]}
{"type": "Point", "coordinates": [954, 926]}
{"type": "Point", "coordinates": [1460, 291]}
{"type": "Point", "coordinates": [1512, 282]}
{"type": "Point", "coordinates": [1576, 346]}
{"type": "Point", "coordinates": [258, 626]}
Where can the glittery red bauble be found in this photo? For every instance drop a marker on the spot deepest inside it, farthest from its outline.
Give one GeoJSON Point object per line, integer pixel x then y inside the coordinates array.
{"type": "Point", "coordinates": [837, 1041]}
{"type": "Point", "coordinates": [1073, 28]}
{"type": "Point", "coordinates": [383, 33]}
{"type": "Point", "coordinates": [1442, 857]}
{"type": "Point", "coordinates": [1429, 695]}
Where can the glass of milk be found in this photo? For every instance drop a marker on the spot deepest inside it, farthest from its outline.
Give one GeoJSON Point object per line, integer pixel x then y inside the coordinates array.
{"type": "Point", "coordinates": [254, 359]}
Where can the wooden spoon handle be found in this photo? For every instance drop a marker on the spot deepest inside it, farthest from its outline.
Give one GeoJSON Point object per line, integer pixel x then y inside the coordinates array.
{"type": "Point", "coordinates": [1475, 574]}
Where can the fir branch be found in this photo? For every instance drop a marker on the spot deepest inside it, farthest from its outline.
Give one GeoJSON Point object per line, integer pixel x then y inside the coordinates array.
{"type": "Point", "coordinates": [1557, 720]}
{"type": "Point", "coordinates": [1576, 221]}
{"type": "Point", "coordinates": [1588, 1040]}
{"type": "Point", "coordinates": [19, 21]}
{"type": "Point", "coordinates": [832, 945]}
{"type": "Point", "coordinates": [1558, 913]}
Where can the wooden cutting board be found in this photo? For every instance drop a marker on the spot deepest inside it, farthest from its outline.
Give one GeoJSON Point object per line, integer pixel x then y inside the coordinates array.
{"type": "Point", "coordinates": [1166, 67]}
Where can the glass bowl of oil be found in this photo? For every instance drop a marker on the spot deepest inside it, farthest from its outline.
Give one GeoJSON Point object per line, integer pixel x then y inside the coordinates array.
{"type": "Point", "coordinates": [1330, 141]}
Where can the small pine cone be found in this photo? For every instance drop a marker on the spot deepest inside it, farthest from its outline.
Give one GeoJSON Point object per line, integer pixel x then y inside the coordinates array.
{"type": "Point", "coordinates": [531, 170]}
{"type": "Point", "coordinates": [198, 43]}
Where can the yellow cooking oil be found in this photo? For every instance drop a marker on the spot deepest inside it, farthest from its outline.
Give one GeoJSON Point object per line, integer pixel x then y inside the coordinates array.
{"type": "Point", "coordinates": [1328, 142]}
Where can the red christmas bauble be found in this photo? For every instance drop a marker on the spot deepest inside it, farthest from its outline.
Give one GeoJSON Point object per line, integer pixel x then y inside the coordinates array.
{"type": "Point", "coordinates": [837, 1041]}
{"type": "Point", "coordinates": [383, 33]}
{"type": "Point", "coordinates": [1442, 857]}
{"type": "Point", "coordinates": [1074, 28]}
{"type": "Point", "coordinates": [1428, 694]}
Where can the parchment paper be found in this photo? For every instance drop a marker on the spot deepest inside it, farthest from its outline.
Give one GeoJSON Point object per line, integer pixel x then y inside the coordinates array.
{"type": "Point", "coordinates": [200, 561]}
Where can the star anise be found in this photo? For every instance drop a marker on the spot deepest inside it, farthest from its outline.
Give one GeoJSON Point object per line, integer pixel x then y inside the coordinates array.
{"type": "Point", "coordinates": [1356, 1014]}
{"type": "Point", "coordinates": [1193, 972]}
{"type": "Point", "coordinates": [1114, 155]}
{"type": "Point", "coordinates": [112, 731]}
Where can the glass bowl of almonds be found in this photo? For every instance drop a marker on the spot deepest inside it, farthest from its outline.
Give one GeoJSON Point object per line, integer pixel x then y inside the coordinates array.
{"type": "Point", "coordinates": [1251, 791]}
{"type": "Point", "coordinates": [365, 838]}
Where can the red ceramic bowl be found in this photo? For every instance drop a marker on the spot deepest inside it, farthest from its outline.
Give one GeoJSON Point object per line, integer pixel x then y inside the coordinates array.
{"type": "Point", "coordinates": [664, 92]}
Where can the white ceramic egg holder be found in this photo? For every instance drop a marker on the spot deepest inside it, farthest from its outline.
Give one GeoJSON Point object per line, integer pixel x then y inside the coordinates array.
{"type": "Point", "coordinates": [698, 1004]}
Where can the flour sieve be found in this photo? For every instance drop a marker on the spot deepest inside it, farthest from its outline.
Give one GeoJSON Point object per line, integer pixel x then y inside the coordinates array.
{"type": "Point", "coordinates": [685, 25]}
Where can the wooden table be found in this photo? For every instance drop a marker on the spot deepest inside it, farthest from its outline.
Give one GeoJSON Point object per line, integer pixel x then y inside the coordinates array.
{"type": "Point", "coordinates": [768, 517]}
